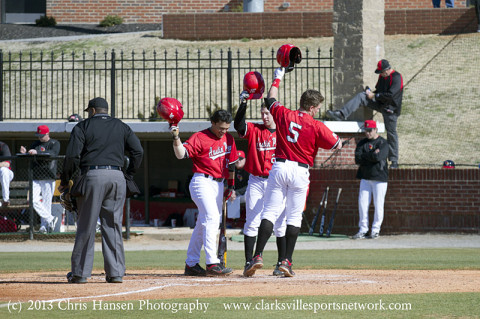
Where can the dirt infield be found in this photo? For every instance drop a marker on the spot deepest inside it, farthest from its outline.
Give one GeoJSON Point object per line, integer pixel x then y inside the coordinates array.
{"type": "Point", "coordinates": [52, 286]}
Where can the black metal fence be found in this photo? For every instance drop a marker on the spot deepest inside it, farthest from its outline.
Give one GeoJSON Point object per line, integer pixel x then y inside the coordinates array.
{"type": "Point", "coordinates": [38, 85]}
{"type": "Point", "coordinates": [20, 218]}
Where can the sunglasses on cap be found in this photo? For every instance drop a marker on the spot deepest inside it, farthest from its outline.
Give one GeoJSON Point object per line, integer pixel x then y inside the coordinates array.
{"type": "Point", "coordinates": [368, 130]}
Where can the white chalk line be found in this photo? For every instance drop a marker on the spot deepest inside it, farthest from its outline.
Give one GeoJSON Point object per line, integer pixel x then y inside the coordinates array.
{"type": "Point", "coordinates": [331, 279]}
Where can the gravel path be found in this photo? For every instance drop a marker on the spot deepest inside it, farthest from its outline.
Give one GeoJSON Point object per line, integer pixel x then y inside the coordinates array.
{"type": "Point", "coordinates": [30, 31]}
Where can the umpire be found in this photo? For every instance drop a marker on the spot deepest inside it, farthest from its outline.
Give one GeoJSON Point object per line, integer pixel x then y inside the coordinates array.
{"type": "Point", "coordinates": [97, 146]}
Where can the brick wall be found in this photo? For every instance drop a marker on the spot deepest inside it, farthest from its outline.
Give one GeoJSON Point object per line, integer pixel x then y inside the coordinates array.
{"type": "Point", "coordinates": [151, 11]}
{"type": "Point", "coordinates": [417, 200]}
{"type": "Point", "coordinates": [216, 26]}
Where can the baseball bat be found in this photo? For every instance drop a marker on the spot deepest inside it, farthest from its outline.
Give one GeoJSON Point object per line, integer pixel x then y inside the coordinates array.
{"type": "Point", "coordinates": [324, 213]}
{"type": "Point", "coordinates": [314, 222]}
{"type": "Point", "coordinates": [222, 240]}
{"type": "Point", "coordinates": [330, 224]}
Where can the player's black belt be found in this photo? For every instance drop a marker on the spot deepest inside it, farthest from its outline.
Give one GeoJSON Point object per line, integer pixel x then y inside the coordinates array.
{"type": "Point", "coordinates": [117, 168]}
{"type": "Point", "coordinates": [213, 178]}
{"type": "Point", "coordinates": [265, 177]}
{"type": "Point", "coordinates": [284, 160]}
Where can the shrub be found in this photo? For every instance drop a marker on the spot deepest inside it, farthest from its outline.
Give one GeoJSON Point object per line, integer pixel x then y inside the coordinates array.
{"type": "Point", "coordinates": [45, 21]}
{"type": "Point", "coordinates": [110, 21]}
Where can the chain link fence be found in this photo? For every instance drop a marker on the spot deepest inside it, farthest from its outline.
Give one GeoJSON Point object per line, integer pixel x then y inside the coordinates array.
{"type": "Point", "coordinates": [34, 210]}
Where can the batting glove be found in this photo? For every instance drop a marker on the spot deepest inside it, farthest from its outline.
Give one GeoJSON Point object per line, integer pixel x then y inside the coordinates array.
{"type": "Point", "coordinates": [244, 97]}
{"type": "Point", "coordinates": [228, 193]}
{"type": "Point", "coordinates": [174, 131]}
{"type": "Point", "coordinates": [279, 73]}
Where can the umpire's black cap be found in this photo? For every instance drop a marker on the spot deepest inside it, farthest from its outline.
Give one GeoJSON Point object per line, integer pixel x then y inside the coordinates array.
{"type": "Point", "coordinates": [97, 103]}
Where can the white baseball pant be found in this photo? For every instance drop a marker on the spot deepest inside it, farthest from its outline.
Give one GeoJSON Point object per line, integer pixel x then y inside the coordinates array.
{"type": "Point", "coordinates": [255, 196]}
{"type": "Point", "coordinates": [369, 188]}
{"type": "Point", "coordinates": [287, 183]}
{"type": "Point", "coordinates": [42, 199]}
{"type": "Point", "coordinates": [6, 176]}
{"type": "Point", "coordinates": [208, 196]}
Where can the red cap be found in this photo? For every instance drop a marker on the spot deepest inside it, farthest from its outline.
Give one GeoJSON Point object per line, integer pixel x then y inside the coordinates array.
{"type": "Point", "coordinates": [370, 124]}
{"type": "Point", "coordinates": [42, 130]}
{"type": "Point", "coordinates": [241, 154]}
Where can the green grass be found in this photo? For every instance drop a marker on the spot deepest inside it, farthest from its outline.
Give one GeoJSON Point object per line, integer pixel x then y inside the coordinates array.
{"type": "Point", "coordinates": [434, 259]}
{"type": "Point", "coordinates": [441, 305]}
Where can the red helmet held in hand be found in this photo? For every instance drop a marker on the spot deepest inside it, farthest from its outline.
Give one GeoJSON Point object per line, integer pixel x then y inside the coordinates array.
{"type": "Point", "coordinates": [170, 110]}
{"type": "Point", "coordinates": [288, 55]}
{"type": "Point", "coordinates": [254, 84]}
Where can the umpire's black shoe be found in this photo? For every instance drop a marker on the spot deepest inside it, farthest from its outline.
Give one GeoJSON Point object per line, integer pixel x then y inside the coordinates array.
{"type": "Point", "coordinates": [335, 115]}
{"type": "Point", "coordinates": [394, 164]}
{"type": "Point", "coordinates": [218, 270]}
{"type": "Point", "coordinates": [196, 270]}
{"type": "Point", "coordinates": [75, 279]}
{"type": "Point", "coordinates": [114, 280]}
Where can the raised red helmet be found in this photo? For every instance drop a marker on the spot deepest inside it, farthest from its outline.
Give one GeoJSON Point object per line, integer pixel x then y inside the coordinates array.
{"type": "Point", "coordinates": [288, 55]}
{"type": "Point", "coordinates": [170, 110]}
{"type": "Point", "coordinates": [254, 84]}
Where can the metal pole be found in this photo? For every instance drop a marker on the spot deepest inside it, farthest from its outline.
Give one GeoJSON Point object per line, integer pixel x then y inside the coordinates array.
{"type": "Point", "coordinates": [30, 192]}
{"type": "Point", "coordinates": [3, 16]}
{"type": "Point", "coordinates": [127, 219]}
{"type": "Point", "coordinates": [1, 79]}
{"type": "Point", "coordinates": [146, 182]}
{"type": "Point", "coordinates": [112, 86]}
{"type": "Point", "coordinates": [229, 82]}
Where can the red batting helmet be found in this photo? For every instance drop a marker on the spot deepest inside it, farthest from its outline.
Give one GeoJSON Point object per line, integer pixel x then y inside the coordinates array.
{"type": "Point", "coordinates": [288, 55]}
{"type": "Point", "coordinates": [170, 109]}
{"type": "Point", "coordinates": [254, 84]}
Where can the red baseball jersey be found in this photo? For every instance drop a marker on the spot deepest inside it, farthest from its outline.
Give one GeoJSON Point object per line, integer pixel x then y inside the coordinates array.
{"type": "Point", "coordinates": [300, 135]}
{"type": "Point", "coordinates": [211, 155]}
{"type": "Point", "coordinates": [261, 149]}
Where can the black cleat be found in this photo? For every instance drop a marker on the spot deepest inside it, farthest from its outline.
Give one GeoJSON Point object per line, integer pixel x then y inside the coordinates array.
{"type": "Point", "coordinates": [75, 279]}
{"type": "Point", "coordinates": [196, 270]}
{"type": "Point", "coordinates": [218, 270]}
{"type": "Point", "coordinates": [335, 115]}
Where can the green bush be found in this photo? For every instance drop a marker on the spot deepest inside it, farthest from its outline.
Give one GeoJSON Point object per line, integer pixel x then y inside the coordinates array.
{"type": "Point", "coordinates": [110, 21]}
{"type": "Point", "coordinates": [45, 21]}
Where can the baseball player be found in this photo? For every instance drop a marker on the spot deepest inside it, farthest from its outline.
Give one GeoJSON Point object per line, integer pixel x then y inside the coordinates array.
{"type": "Point", "coordinates": [371, 154]}
{"type": "Point", "coordinates": [299, 136]}
{"type": "Point", "coordinates": [387, 99]}
{"type": "Point", "coordinates": [44, 175]}
{"type": "Point", "coordinates": [262, 141]}
{"type": "Point", "coordinates": [6, 175]}
{"type": "Point", "coordinates": [241, 182]}
{"type": "Point", "coordinates": [213, 153]}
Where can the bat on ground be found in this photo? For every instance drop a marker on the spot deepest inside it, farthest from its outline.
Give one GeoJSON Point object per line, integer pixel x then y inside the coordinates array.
{"type": "Point", "coordinates": [314, 222]}
{"type": "Point", "coordinates": [324, 213]}
{"type": "Point", "coordinates": [222, 240]}
{"type": "Point", "coordinates": [330, 224]}
{"type": "Point", "coordinates": [304, 217]}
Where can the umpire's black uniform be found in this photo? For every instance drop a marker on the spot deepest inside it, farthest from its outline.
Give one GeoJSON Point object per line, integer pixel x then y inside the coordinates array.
{"type": "Point", "coordinates": [97, 146]}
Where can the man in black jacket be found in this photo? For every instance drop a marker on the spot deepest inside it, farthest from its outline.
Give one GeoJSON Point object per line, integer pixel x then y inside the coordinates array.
{"type": "Point", "coordinates": [386, 99]}
{"type": "Point", "coordinates": [371, 154]}
{"type": "Point", "coordinates": [97, 146]}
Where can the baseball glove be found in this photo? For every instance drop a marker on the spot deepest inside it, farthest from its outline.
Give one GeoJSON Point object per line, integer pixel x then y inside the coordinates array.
{"type": "Point", "coordinates": [68, 201]}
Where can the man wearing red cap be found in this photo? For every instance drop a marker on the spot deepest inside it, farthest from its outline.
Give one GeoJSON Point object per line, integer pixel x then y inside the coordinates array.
{"type": "Point", "coordinates": [44, 175]}
{"type": "Point", "coordinates": [241, 181]}
{"type": "Point", "coordinates": [386, 99]}
{"type": "Point", "coordinates": [371, 154]}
